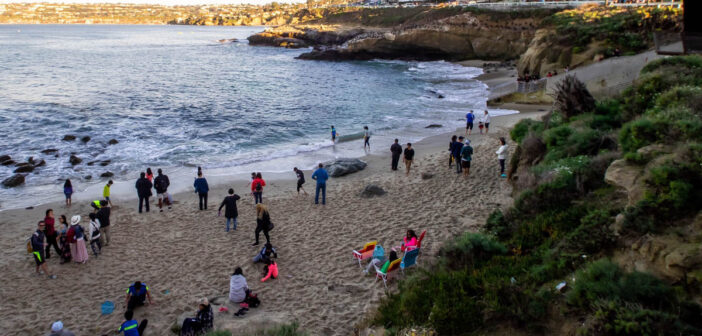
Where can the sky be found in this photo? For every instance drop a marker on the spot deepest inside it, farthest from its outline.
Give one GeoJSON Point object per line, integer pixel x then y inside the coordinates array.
{"type": "Point", "coordinates": [161, 2]}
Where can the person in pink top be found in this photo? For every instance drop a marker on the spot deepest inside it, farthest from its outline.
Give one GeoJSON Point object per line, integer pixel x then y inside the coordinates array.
{"type": "Point", "coordinates": [271, 269]}
{"type": "Point", "coordinates": [410, 241]}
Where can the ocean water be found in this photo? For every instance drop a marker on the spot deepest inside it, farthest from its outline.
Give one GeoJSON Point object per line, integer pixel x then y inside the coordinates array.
{"type": "Point", "coordinates": [176, 98]}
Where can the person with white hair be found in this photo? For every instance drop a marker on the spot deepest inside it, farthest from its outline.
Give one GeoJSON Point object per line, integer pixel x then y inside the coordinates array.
{"type": "Point", "coordinates": [466, 157]}
{"type": "Point", "coordinates": [58, 330]}
{"type": "Point", "coordinates": [76, 238]}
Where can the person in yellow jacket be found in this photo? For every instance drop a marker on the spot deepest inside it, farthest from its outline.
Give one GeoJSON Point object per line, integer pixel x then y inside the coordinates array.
{"type": "Point", "coordinates": [106, 192]}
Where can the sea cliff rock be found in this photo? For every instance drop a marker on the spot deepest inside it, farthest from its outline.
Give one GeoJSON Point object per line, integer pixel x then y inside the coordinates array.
{"type": "Point", "coordinates": [341, 167]}
{"type": "Point", "coordinates": [302, 37]}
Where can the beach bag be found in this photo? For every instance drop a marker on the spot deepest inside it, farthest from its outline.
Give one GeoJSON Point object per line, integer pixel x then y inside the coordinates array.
{"type": "Point", "coordinates": [270, 226]}
{"type": "Point", "coordinates": [30, 250]}
{"type": "Point", "coordinates": [252, 300]}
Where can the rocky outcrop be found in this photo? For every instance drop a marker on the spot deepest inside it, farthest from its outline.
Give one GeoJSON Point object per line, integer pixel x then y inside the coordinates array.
{"type": "Point", "coordinates": [13, 181]}
{"type": "Point", "coordinates": [85, 138]}
{"type": "Point", "coordinates": [341, 167]}
{"type": "Point", "coordinates": [74, 160]}
{"type": "Point", "coordinates": [372, 190]}
{"type": "Point", "coordinates": [107, 174]}
{"type": "Point", "coordinates": [69, 137]}
{"type": "Point", "coordinates": [302, 37]}
{"type": "Point", "coordinates": [112, 142]}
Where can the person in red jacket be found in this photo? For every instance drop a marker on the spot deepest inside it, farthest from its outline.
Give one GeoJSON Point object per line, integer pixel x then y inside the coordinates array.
{"type": "Point", "coordinates": [271, 270]}
{"type": "Point", "coordinates": [50, 233]}
{"type": "Point", "coordinates": [257, 188]}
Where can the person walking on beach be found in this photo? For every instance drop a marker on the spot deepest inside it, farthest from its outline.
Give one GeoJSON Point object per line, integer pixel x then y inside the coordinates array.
{"type": "Point", "coordinates": [321, 176]}
{"type": "Point", "coordinates": [486, 122]}
{"type": "Point", "coordinates": [466, 158]}
{"type": "Point", "coordinates": [106, 192]}
{"type": "Point", "coordinates": [366, 137]}
{"type": "Point", "coordinates": [76, 238]}
{"type": "Point", "coordinates": [68, 191]}
{"type": "Point", "coordinates": [409, 157]}
{"type": "Point", "coordinates": [94, 234]}
{"type": "Point", "coordinates": [396, 150]}
{"type": "Point", "coordinates": [502, 156]}
{"type": "Point", "coordinates": [300, 180]}
{"type": "Point", "coordinates": [143, 187]}
{"type": "Point", "coordinates": [58, 330]}
{"type": "Point", "coordinates": [51, 234]}
{"type": "Point", "coordinates": [38, 242]}
{"type": "Point", "coordinates": [161, 184]}
{"type": "Point", "coordinates": [131, 327]}
{"type": "Point", "coordinates": [456, 147]}
{"type": "Point", "coordinates": [263, 222]}
{"type": "Point", "coordinates": [333, 134]}
{"type": "Point", "coordinates": [257, 188]}
{"type": "Point", "coordinates": [201, 188]}
{"type": "Point", "coordinates": [470, 117]}
{"type": "Point", "coordinates": [103, 215]}
{"type": "Point", "coordinates": [230, 210]}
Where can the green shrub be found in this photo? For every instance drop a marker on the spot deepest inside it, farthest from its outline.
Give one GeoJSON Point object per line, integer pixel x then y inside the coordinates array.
{"type": "Point", "coordinates": [613, 317]}
{"type": "Point", "coordinates": [497, 224]}
{"type": "Point", "coordinates": [640, 133]}
{"type": "Point", "coordinates": [524, 127]}
{"type": "Point", "coordinates": [470, 249]}
{"type": "Point", "coordinates": [291, 329]}
{"type": "Point", "coordinates": [557, 136]}
{"type": "Point", "coordinates": [690, 62]}
{"type": "Point", "coordinates": [592, 236]}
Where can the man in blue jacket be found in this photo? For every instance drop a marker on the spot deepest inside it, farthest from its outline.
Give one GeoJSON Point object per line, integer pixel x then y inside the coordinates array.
{"type": "Point", "coordinates": [201, 188]}
{"type": "Point", "coordinates": [320, 175]}
{"type": "Point", "coordinates": [456, 147]}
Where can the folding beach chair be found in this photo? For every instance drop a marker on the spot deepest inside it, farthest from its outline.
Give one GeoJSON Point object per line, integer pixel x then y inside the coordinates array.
{"type": "Point", "coordinates": [409, 259]}
{"type": "Point", "coordinates": [394, 265]}
{"type": "Point", "coordinates": [364, 253]}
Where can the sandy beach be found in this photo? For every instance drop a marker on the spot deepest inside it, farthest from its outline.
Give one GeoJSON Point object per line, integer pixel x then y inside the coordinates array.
{"type": "Point", "coordinates": [184, 254]}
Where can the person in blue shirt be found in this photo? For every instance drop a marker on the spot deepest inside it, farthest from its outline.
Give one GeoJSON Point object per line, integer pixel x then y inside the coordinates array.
{"type": "Point", "coordinates": [320, 175]}
{"type": "Point", "coordinates": [469, 122]}
{"type": "Point", "coordinates": [333, 134]}
{"type": "Point", "coordinates": [201, 188]}
{"type": "Point", "coordinates": [131, 327]}
{"type": "Point", "coordinates": [137, 295]}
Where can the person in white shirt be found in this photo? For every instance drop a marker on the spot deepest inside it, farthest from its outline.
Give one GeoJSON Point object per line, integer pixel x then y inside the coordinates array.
{"type": "Point", "coordinates": [486, 122]}
{"type": "Point", "coordinates": [502, 156]}
{"type": "Point", "coordinates": [94, 234]}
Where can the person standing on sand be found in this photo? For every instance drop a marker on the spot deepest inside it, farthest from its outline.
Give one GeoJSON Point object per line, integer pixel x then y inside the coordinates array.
{"type": "Point", "coordinates": [131, 327]}
{"type": "Point", "coordinates": [38, 242]}
{"type": "Point", "coordinates": [106, 192]}
{"type": "Point", "coordinates": [396, 151]}
{"type": "Point", "coordinates": [143, 187]}
{"type": "Point", "coordinates": [300, 180]}
{"type": "Point", "coordinates": [486, 122]}
{"type": "Point", "coordinates": [50, 233]}
{"type": "Point", "coordinates": [333, 134]}
{"type": "Point", "coordinates": [321, 176]}
{"type": "Point", "coordinates": [103, 215]}
{"type": "Point", "coordinates": [450, 150]}
{"type": "Point", "coordinates": [366, 137]}
{"type": "Point", "coordinates": [65, 247]}
{"type": "Point", "coordinates": [502, 156]}
{"type": "Point", "coordinates": [76, 238]}
{"type": "Point", "coordinates": [257, 188]}
{"type": "Point", "coordinates": [68, 191]}
{"type": "Point", "coordinates": [469, 122]}
{"type": "Point", "coordinates": [150, 175]}
{"type": "Point", "coordinates": [466, 158]}
{"type": "Point", "coordinates": [409, 157]}
{"type": "Point", "coordinates": [201, 188]}
{"type": "Point", "coordinates": [456, 147]}
{"type": "Point", "coordinates": [58, 330]}
{"type": "Point", "coordinates": [263, 222]}
{"type": "Point", "coordinates": [161, 184]}
{"type": "Point", "coordinates": [94, 234]}
{"type": "Point", "coordinates": [230, 210]}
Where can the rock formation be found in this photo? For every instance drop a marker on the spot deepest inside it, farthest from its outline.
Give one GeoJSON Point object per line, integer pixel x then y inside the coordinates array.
{"type": "Point", "coordinates": [341, 167]}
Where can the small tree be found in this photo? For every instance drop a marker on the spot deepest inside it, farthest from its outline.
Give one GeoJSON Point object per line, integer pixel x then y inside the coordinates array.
{"type": "Point", "coordinates": [572, 97]}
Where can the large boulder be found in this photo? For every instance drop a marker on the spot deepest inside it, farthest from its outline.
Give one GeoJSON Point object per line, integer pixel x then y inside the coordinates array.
{"type": "Point", "coordinates": [26, 168]}
{"type": "Point", "coordinates": [85, 138]}
{"type": "Point", "coordinates": [74, 160]}
{"type": "Point", "coordinates": [107, 174]}
{"type": "Point", "coordinates": [69, 137]}
{"type": "Point", "coordinates": [341, 167]}
{"type": "Point", "coordinates": [5, 158]}
{"type": "Point", "coordinates": [50, 151]}
{"type": "Point", "coordinates": [372, 190]}
{"type": "Point", "coordinates": [112, 142]}
{"type": "Point", "coordinates": [627, 176]}
{"type": "Point", "coordinates": [13, 180]}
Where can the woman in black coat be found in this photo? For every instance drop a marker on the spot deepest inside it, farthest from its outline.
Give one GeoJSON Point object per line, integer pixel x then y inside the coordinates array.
{"type": "Point", "coordinates": [230, 211]}
{"type": "Point", "coordinates": [263, 222]}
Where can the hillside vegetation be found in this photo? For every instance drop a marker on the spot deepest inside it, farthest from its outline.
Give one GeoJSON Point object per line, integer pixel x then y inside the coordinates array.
{"type": "Point", "coordinates": [568, 225]}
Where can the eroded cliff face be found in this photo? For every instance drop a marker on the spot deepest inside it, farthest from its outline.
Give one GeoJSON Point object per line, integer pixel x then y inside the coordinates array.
{"type": "Point", "coordinates": [460, 37]}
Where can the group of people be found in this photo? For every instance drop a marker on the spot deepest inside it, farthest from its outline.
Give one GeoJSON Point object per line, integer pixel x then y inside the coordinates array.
{"type": "Point", "coordinates": [483, 122]}
{"type": "Point", "coordinates": [408, 153]}
{"type": "Point", "coordinates": [146, 181]}
{"type": "Point", "coordinates": [409, 242]}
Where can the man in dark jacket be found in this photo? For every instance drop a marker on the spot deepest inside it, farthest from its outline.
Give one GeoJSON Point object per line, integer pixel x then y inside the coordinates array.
{"type": "Point", "coordinates": [161, 184]}
{"type": "Point", "coordinates": [396, 150]}
{"type": "Point", "coordinates": [103, 215]}
{"type": "Point", "coordinates": [230, 212]}
{"type": "Point", "coordinates": [201, 188]}
{"type": "Point", "coordinates": [143, 187]}
{"type": "Point", "coordinates": [456, 147]}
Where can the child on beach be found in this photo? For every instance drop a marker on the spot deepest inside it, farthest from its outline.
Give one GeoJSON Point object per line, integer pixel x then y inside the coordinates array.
{"type": "Point", "coordinates": [366, 137]}
{"type": "Point", "coordinates": [266, 252]}
{"type": "Point", "coordinates": [68, 191]}
{"type": "Point", "coordinates": [106, 192]}
{"type": "Point", "coordinates": [333, 134]}
{"type": "Point", "coordinates": [271, 270]}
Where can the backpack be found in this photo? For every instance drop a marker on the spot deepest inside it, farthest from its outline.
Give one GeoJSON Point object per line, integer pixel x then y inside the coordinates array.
{"type": "Point", "coordinates": [80, 233]}
{"type": "Point", "coordinates": [30, 250]}
{"type": "Point", "coordinates": [259, 188]}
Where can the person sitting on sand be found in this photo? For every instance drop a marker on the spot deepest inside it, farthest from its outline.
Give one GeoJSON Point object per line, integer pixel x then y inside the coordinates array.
{"type": "Point", "coordinates": [265, 253]}
{"type": "Point", "coordinates": [58, 330]}
{"type": "Point", "coordinates": [38, 242]}
{"type": "Point", "coordinates": [201, 323]}
{"type": "Point", "coordinates": [263, 222]}
{"type": "Point", "coordinates": [238, 289]}
{"type": "Point", "coordinates": [271, 270]}
{"type": "Point", "coordinates": [230, 210]}
{"type": "Point", "coordinates": [137, 295]}
{"type": "Point", "coordinates": [131, 327]}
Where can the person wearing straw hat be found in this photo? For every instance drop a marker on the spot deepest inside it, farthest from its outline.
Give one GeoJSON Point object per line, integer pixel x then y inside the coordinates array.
{"type": "Point", "coordinates": [76, 238]}
{"type": "Point", "coordinates": [58, 330]}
